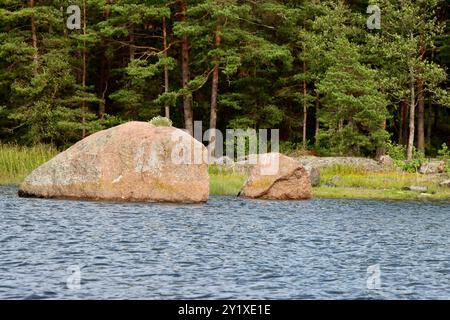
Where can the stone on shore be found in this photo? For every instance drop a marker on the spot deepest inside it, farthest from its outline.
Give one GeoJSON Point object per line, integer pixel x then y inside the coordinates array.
{"type": "Point", "coordinates": [277, 177]}
{"type": "Point", "coordinates": [445, 183]}
{"type": "Point", "coordinates": [136, 161]}
{"type": "Point", "coordinates": [314, 175]}
{"type": "Point", "coordinates": [421, 189]}
{"type": "Point", "coordinates": [386, 161]}
{"type": "Point", "coordinates": [432, 167]}
{"type": "Point", "coordinates": [368, 165]}
{"type": "Point", "coordinates": [222, 161]}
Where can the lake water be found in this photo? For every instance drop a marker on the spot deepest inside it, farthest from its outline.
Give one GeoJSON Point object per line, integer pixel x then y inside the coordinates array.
{"type": "Point", "coordinates": [228, 248]}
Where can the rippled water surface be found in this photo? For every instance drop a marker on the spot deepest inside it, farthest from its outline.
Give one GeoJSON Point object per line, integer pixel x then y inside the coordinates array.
{"type": "Point", "coordinates": [229, 248]}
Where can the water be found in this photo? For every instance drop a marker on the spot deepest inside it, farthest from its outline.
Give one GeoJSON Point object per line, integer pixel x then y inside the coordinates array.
{"type": "Point", "coordinates": [229, 248]}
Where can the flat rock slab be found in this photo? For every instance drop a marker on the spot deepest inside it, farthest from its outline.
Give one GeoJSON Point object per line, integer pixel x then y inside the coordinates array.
{"type": "Point", "coordinates": [136, 161]}
{"type": "Point", "coordinates": [445, 183]}
{"type": "Point", "coordinates": [416, 189]}
{"type": "Point", "coordinates": [366, 164]}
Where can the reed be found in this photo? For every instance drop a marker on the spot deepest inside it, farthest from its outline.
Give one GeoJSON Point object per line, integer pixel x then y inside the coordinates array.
{"type": "Point", "coordinates": [16, 162]}
{"type": "Point", "coordinates": [225, 182]}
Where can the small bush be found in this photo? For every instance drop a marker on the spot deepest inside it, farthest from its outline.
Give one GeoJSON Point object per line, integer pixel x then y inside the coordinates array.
{"type": "Point", "coordinates": [396, 151]}
{"type": "Point", "coordinates": [444, 152]}
{"type": "Point", "coordinates": [295, 149]}
{"type": "Point", "coordinates": [161, 122]}
{"type": "Point", "coordinates": [410, 166]}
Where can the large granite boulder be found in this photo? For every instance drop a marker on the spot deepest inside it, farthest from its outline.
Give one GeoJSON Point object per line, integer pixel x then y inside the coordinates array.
{"type": "Point", "coordinates": [277, 177]}
{"type": "Point", "coordinates": [136, 161]}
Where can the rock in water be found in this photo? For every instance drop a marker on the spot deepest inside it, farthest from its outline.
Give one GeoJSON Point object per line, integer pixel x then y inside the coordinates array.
{"type": "Point", "coordinates": [277, 177]}
{"type": "Point", "coordinates": [136, 161]}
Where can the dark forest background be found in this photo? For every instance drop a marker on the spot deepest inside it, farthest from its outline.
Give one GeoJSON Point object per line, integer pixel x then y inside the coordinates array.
{"type": "Point", "coordinates": [311, 68]}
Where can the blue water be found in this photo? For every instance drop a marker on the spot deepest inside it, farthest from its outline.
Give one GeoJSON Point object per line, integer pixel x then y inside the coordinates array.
{"type": "Point", "coordinates": [228, 248]}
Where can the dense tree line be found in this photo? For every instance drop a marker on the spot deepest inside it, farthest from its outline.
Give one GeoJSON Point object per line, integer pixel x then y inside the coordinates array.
{"type": "Point", "coordinates": [309, 67]}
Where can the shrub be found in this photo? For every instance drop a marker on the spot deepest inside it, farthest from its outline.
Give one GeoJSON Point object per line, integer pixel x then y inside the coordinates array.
{"type": "Point", "coordinates": [161, 122]}
{"type": "Point", "coordinates": [444, 152]}
{"type": "Point", "coordinates": [396, 151]}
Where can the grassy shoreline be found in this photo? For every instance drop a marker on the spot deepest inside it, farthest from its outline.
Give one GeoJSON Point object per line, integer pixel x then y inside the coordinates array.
{"type": "Point", "coordinates": [338, 182]}
{"type": "Point", "coordinates": [346, 182]}
{"type": "Point", "coordinates": [16, 162]}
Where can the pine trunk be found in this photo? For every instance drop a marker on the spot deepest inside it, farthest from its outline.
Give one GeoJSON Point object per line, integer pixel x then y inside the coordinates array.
{"type": "Point", "coordinates": [104, 74]}
{"type": "Point", "coordinates": [187, 98]}
{"type": "Point", "coordinates": [420, 117]}
{"type": "Point", "coordinates": [84, 75]}
{"type": "Point", "coordinates": [214, 93]}
{"type": "Point", "coordinates": [317, 116]}
{"type": "Point", "coordinates": [34, 39]}
{"type": "Point", "coordinates": [412, 107]}
{"type": "Point", "coordinates": [403, 132]}
{"type": "Point", "coordinates": [166, 68]}
{"type": "Point", "coordinates": [430, 122]}
{"type": "Point", "coordinates": [132, 47]}
{"type": "Point", "coordinates": [305, 106]}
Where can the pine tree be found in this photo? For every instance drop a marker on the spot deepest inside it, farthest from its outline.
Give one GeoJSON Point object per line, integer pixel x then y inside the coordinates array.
{"type": "Point", "coordinates": [408, 29]}
{"type": "Point", "coordinates": [353, 107]}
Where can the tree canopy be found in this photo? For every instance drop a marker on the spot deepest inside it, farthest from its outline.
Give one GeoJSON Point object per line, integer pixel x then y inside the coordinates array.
{"type": "Point", "coordinates": [313, 69]}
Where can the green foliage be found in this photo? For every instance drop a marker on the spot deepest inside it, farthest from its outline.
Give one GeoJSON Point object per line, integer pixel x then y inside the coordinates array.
{"type": "Point", "coordinates": [16, 161]}
{"type": "Point", "coordinates": [398, 154]}
{"type": "Point", "coordinates": [225, 182]}
{"type": "Point", "coordinates": [288, 147]}
{"type": "Point", "coordinates": [444, 152]}
{"type": "Point", "coordinates": [396, 151]}
{"type": "Point", "coordinates": [161, 122]}
{"type": "Point", "coordinates": [354, 108]}
{"type": "Point", "coordinates": [274, 57]}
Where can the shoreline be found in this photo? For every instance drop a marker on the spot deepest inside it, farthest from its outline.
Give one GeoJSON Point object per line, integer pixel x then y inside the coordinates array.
{"type": "Point", "coordinates": [346, 178]}
{"type": "Point", "coordinates": [346, 193]}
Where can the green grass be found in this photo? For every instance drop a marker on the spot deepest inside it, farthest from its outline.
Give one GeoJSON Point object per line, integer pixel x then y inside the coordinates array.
{"type": "Point", "coordinates": [376, 194]}
{"type": "Point", "coordinates": [225, 182]}
{"type": "Point", "coordinates": [351, 182]}
{"type": "Point", "coordinates": [339, 169]}
{"type": "Point", "coordinates": [16, 162]}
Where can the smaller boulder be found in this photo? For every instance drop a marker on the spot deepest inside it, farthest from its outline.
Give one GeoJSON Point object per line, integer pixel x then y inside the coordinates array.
{"type": "Point", "coordinates": [333, 182]}
{"type": "Point", "coordinates": [425, 196]}
{"type": "Point", "coordinates": [416, 189]}
{"type": "Point", "coordinates": [432, 167]}
{"type": "Point", "coordinates": [314, 175]}
{"type": "Point", "coordinates": [386, 161]}
{"type": "Point", "coordinates": [445, 183]}
{"type": "Point", "coordinates": [277, 177]}
{"type": "Point", "coordinates": [227, 161]}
